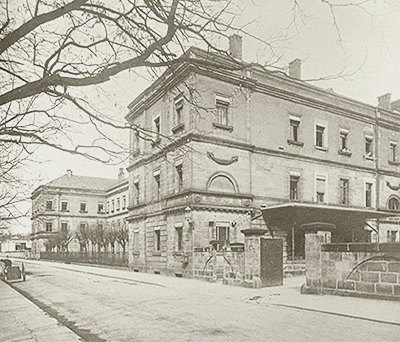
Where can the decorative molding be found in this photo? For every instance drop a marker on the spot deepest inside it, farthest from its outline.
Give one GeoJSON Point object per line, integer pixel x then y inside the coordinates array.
{"type": "Point", "coordinates": [393, 187]}
{"type": "Point", "coordinates": [221, 161]}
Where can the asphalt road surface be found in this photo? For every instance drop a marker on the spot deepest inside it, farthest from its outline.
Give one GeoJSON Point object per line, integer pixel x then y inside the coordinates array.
{"type": "Point", "coordinates": [100, 304]}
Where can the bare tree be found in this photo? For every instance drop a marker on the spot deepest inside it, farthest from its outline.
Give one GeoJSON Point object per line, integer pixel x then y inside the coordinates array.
{"type": "Point", "coordinates": [122, 236]}
{"type": "Point", "coordinates": [82, 235]}
{"type": "Point", "coordinates": [63, 239]}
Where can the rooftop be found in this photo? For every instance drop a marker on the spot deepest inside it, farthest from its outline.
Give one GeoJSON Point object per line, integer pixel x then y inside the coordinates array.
{"type": "Point", "coordinates": [82, 182]}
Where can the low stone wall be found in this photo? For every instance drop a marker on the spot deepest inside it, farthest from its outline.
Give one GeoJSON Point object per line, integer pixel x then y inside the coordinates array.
{"type": "Point", "coordinates": [365, 270]}
{"type": "Point", "coordinates": [211, 265]}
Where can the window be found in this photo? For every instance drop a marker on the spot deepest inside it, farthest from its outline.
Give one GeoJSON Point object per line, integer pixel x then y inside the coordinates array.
{"type": "Point", "coordinates": [222, 233]}
{"type": "Point", "coordinates": [393, 152]}
{"type": "Point", "coordinates": [344, 191]}
{"type": "Point", "coordinates": [64, 227]}
{"type": "Point", "coordinates": [118, 204]}
{"type": "Point", "coordinates": [49, 226]}
{"type": "Point", "coordinates": [23, 245]}
{"type": "Point", "coordinates": [83, 208]}
{"type": "Point", "coordinates": [112, 206]}
{"type": "Point", "coordinates": [123, 202]}
{"type": "Point", "coordinates": [64, 206]}
{"type": "Point", "coordinates": [368, 194]}
{"type": "Point", "coordinates": [294, 129]}
{"type": "Point", "coordinates": [393, 204]}
{"type": "Point", "coordinates": [320, 189]}
{"type": "Point", "coordinates": [294, 188]}
{"type": "Point", "coordinates": [179, 238]}
{"type": "Point", "coordinates": [137, 191]}
{"type": "Point", "coordinates": [320, 136]}
{"type": "Point", "coordinates": [179, 173]}
{"type": "Point", "coordinates": [49, 205]}
{"type": "Point", "coordinates": [157, 186]}
{"type": "Point", "coordinates": [157, 240]}
{"type": "Point", "coordinates": [100, 207]}
{"type": "Point", "coordinates": [136, 240]}
{"type": "Point", "coordinates": [108, 207]}
{"type": "Point", "coordinates": [157, 127]}
{"type": "Point", "coordinates": [178, 110]}
{"type": "Point", "coordinates": [343, 140]}
{"type": "Point", "coordinates": [83, 226]}
{"type": "Point", "coordinates": [369, 146]}
{"type": "Point", "coordinates": [222, 107]}
{"type": "Point", "coordinates": [392, 236]}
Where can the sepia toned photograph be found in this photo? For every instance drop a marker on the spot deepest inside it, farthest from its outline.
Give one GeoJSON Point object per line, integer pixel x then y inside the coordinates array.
{"type": "Point", "coordinates": [199, 170]}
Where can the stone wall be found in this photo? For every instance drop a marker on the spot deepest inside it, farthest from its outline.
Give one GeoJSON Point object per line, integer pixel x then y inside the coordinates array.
{"type": "Point", "coordinates": [352, 269]}
{"type": "Point", "coordinates": [211, 265]}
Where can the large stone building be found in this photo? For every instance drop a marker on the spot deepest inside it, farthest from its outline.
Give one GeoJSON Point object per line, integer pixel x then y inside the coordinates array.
{"type": "Point", "coordinates": [71, 201]}
{"type": "Point", "coordinates": [228, 142]}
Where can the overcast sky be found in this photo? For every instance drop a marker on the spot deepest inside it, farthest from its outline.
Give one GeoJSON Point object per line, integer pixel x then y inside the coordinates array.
{"type": "Point", "coordinates": [366, 41]}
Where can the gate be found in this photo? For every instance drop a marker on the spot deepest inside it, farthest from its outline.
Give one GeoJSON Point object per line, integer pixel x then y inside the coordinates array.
{"type": "Point", "coordinates": [271, 262]}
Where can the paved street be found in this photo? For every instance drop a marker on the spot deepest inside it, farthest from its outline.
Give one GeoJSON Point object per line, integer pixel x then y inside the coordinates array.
{"type": "Point", "coordinates": [101, 304]}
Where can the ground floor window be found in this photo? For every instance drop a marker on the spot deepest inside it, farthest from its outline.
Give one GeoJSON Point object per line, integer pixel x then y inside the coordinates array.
{"type": "Point", "coordinates": [392, 236]}
{"type": "Point", "coordinates": [157, 240]}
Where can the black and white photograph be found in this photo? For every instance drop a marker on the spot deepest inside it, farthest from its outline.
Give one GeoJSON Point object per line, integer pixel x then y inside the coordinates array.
{"type": "Point", "coordinates": [199, 170]}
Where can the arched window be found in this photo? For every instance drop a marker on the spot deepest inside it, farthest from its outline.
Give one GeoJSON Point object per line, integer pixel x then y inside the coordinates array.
{"type": "Point", "coordinates": [221, 183]}
{"type": "Point", "coordinates": [394, 203]}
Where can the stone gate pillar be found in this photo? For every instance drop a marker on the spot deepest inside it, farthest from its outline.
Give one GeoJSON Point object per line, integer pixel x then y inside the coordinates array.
{"type": "Point", "coordinates": [316, 234]}
{"type": "Point", "coordinates": [252, 256]}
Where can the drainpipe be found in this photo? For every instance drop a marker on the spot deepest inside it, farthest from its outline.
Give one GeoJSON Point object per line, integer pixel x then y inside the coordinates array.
{"type": "Point", "coordinates": [377, 179]}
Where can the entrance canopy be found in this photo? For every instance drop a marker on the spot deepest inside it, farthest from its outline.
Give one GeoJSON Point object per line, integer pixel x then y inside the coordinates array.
{"type": "Point", "coordinates": [295, 214]}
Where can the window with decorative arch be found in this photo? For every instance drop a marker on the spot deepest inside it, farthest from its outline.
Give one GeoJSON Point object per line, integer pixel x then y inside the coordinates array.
{"type": "Point", "coordinates": [394, 204]}
{"type": "Point", "coordinates": [221, 182]}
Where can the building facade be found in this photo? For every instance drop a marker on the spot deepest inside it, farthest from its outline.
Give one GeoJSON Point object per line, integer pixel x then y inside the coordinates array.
{"type": "Point", "coordinates": [71, 202]}
{"type": "Point", "coordinates": [229, 141]}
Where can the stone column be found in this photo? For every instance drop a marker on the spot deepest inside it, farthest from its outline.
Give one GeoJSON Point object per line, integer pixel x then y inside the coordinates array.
{"type": "Point", "coordinates": [316, 234]}
{"type": "Point", "coordinates": [252, 256]}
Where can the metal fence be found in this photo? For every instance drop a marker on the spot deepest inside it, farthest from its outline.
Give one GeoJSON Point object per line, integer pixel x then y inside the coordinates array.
{"type": "Point", "coordinates": [100, 258]}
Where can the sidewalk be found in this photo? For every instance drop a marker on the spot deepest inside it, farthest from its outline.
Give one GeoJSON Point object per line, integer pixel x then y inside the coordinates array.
{"type": "Point", "coordinates": [21, 320]}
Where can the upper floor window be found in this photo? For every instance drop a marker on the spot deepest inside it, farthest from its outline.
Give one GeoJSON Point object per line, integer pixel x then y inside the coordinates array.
{"type": "Point", "coordinates": [157, 127]}
{"type": "Point", "coordinates": [179, 176]}
{"type": "Point", "coordinates": [368, 194]}
{"type": "Point", "coordinates": [64, 206]}
{"type": "Point", "coordinates": [123, 202]}
{"type": "Point", "coordinates": [112, 206]}
{"type": "Point", "coordinates": [49, 226]}
{"type": "Point", "coordinates": [369, 145]}
{"type": "Point", "coordinates": [222, 110]}
{"type": "Point", "coordinates": [178, 110]}
{"type": "Point", "coordinates": [320, 136]}
{"type": "Point", "coordinates": [393, 204]}
{"type": "Point", "coordinates": [294, 128]}
{"type": "Point", "coordinates": [100, 207]}
{"type": "Point", "coordinates": [344, 191]}
{"type": "Point", "coordinates": [83, 207]}
{"type": "Point", "coordinates": [393, 152]}
{"type": "Point", "coordinates": [320, 189]}
{"type": "Point", "coordinates": [108, 207]}
{"type": "Point", "coordinates": [294, 187]}
{"type": "Point", "coordinates": [118, 204]}
{"type": "Point", "coordinates": [137, 191]}
{"type": "Point", "coordinates": [157, 185]}
{"type": "Point", "coordinates": [49, 205]}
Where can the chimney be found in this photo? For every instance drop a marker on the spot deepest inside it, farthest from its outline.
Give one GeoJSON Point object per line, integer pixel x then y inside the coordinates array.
{"type": "Point", "coordinates": [69, 173]}
{"type": "Point", "coordinates": [235, 46]}
{"type": "Point", "coordinates": [295, 69]}
{"type": "Point", "coordinates": [121, 174]}
{"type": "Point", "coordinates": [384, 101]}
